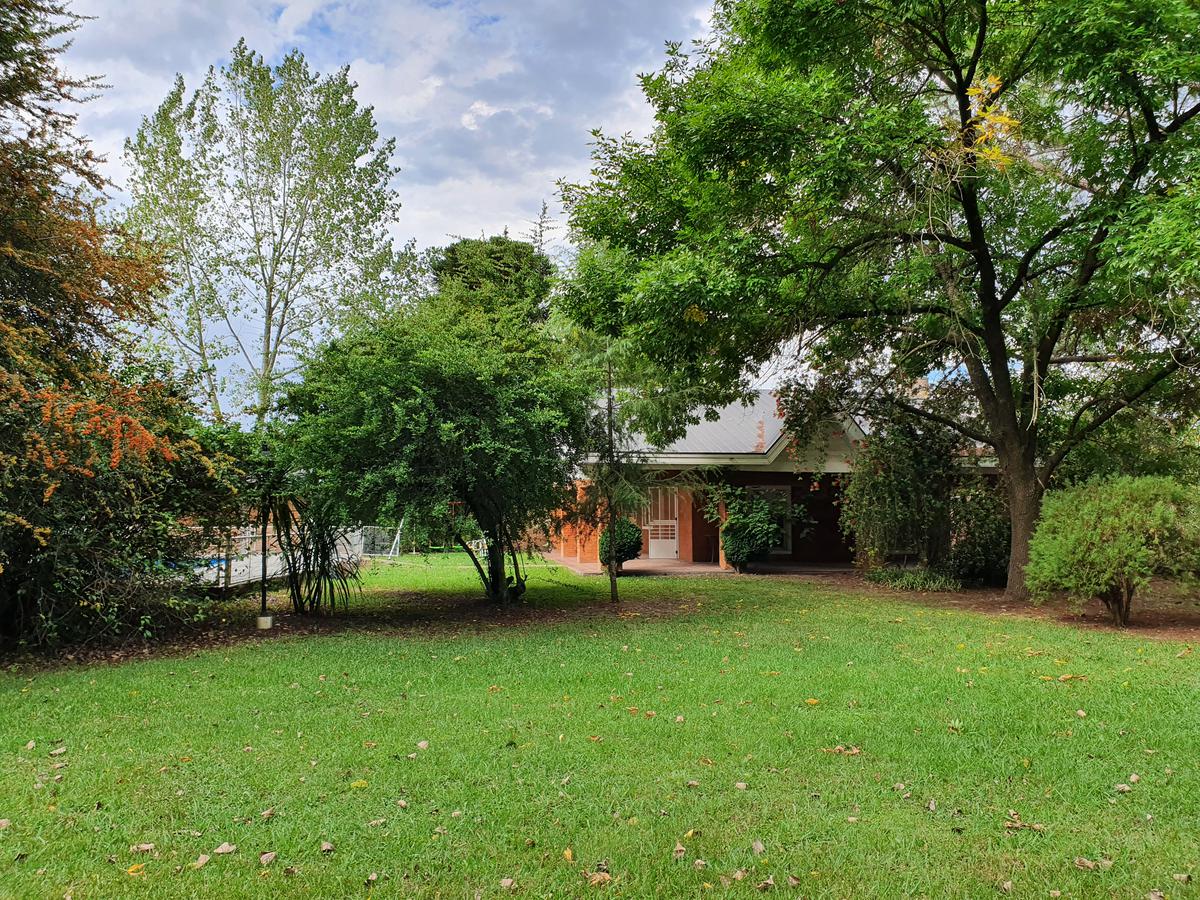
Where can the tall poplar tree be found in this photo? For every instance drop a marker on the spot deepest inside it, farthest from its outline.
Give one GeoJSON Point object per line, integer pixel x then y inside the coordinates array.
{"type": "Point", "coordinates": [269, 188]}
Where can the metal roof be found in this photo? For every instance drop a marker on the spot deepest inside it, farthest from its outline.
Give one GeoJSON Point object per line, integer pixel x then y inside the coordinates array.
{"type": "Point", "coordinates": [738, 428]}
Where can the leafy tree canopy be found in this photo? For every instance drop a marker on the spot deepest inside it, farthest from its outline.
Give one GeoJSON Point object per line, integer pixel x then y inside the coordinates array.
{"type": "Point", "coordinates": [97, 463]}
{"type": "Point", "coordinates": [453, 400]}
{"type": "Point", "coordinates": [1000, 194]}
{"type": "Point", "coordinates": [269, 187]}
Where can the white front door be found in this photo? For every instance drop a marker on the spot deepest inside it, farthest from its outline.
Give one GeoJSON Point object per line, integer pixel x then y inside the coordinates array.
{"type": "Point", "coordinates": [662, 524]}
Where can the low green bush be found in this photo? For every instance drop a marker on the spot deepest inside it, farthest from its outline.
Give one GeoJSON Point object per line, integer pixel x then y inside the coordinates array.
{"type": "Point", "coordinates": [1105, 539]}
{"type": "Point", "coordinates": [918, 579]}
{"type": "Point", "coordinates": [628, 543]}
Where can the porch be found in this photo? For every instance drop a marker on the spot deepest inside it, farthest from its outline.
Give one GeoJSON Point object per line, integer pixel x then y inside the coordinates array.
{"type": "Point", "coordinates": [645, 566]}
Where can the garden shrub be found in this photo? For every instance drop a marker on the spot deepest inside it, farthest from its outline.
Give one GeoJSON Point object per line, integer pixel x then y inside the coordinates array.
{"type": "Point", "coordinates": [918, 579]}
{"type": "Point", "coordinates": [753, 523]}
{"type": "Point", "coordinates": [896, 501]}
{"type": "Point", "coordinates": [628, 545]}
{"type": "Point", "coordinates": [1105, 539]}
{"type": "Point", "coordinates": [979, 532]}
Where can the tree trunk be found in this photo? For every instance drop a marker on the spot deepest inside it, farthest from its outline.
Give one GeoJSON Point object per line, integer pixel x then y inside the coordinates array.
{"type": "Point", "coordinates": [1119, 600]}
{"type": "Point", "coordinates": [497, 587]}
{"type": "Point", "coordinates": [1024, 504]}
{"type": "Point", "coordinates": [609, 508]}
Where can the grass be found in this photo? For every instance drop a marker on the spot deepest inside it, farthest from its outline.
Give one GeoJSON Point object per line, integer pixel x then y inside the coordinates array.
{"type": "Point", "coordinates": [540, 738]}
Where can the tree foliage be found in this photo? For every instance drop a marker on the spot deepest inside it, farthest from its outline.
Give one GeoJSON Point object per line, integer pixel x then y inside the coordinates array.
{"type": "Point", "coordinates": [269, 189]}
{"type": "Point", "coordinates": [462, 399]}
{"type": "Point", "coordinates": [97, 464]}
{"type": "Point", "coordinates": [1105, 539]}
{"type": "Point", "coordinates": [1001, 193]}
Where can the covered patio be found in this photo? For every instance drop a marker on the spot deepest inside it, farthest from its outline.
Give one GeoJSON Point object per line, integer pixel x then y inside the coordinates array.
{"type": "Point", "coordinates": [644, 566]}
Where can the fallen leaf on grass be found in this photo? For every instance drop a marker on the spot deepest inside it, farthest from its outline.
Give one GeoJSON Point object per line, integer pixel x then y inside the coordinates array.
{"type": "Point", "coordinates": [200, 861]}
{"type": "Point", "coordinates": [680, 851]}
{"type": "Point", "coordinates": [1122, 788]}
{"type": "Point", "coordinates": [4, 823]}
{"type": "Point", "coordinates": [699, 864]}
{"type": "Point", "coordinates": [30, 745]}
{"type": "Point", "coordinates": [766, 884]}
{"type": "Point", "coordinates": [843, 751]}
{"type": "Point", "coordinates": [265, 859]}
{"type": "Point", "coordinates": [1014, 823]}
{"type": "Point", "coordinates": [358, 785]}
{"type": "Point", "coordinates": [136, 869]}
{"type": "Point", "coordinates": [226, 848]}
{"type": "Point", "coordinates": [740, 785]}
{"type": "Point", "coordinates": [58, 751]}
{"type": "Point", "coordinates": [812, 701]}
{"type": "Point", "coordinates": [267, 813]}
{"type": "Point", "coordinates": [507, 883]}
{"type": "Point", "coordinates": [758, 848]}
{"type": "Point", "coordinates": [422, 745]}
{"type": "Point", "coordinates": [693, 784]}
{"type": "Point", "coordinates": [793, 881]}
{"type": "Point", "coordinates": [371, 879]}
{"type": "Point", "coordinates": [597, 879]}
{"type": "Point", "coordinates": [1182, 877]}
{"type": "Point", "coordinates": [375, 823]}
{"type": "Point", "coordinates": [569, 855]}
{"type": "Point", "coordinates": [141, 848]}
{"type": "Point", "coordinates": [1082, 862]}
{"type": "Point", "coordinates": [326, 847]}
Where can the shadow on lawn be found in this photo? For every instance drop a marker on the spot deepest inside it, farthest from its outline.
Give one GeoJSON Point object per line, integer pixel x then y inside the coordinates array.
{"type": "Point", "coordinates": [1166, 612]}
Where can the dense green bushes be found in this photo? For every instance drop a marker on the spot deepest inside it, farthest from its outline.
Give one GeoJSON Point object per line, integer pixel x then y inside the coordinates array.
{"type": "Point", "coordinates": [979, 531]}
{"type": "Point", "coordinates": [628, 542]}
{"type": "Point", "coordinates": [911, 498]}
{"type": "Point", "coordinates": [753, 523]}
{"type": "Point", "coordinates": [1105, 539]}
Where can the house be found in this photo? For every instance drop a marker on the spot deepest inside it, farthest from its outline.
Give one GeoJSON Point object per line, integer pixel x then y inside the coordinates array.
{"type": "Point", "coordinates": [747, 446]}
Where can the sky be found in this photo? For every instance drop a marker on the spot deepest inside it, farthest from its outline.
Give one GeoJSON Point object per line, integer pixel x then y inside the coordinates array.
{"type": "Point", "coordinates": [490, 101]}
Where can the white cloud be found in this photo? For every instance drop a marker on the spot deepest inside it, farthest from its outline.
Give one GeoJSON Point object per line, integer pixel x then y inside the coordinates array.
{"type": "Point", "coordinates": [490, 101]}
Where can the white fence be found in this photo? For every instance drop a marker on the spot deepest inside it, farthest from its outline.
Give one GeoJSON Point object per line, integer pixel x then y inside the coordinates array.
{"type": "Point", "coordinates": [386, 543]}
{"type": "Point", "coordinates": [236, 558]}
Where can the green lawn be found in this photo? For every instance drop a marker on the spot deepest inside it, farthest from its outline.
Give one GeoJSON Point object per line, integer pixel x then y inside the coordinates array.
{"type": "Point", "coordinates": [700, 717]}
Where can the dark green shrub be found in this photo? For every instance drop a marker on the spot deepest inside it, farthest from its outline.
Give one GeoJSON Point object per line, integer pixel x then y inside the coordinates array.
{"type": "Point", "coordinates": [1105, 539]}
{"type": "Point", "coordinates": [896, 502]}
{"type": "Point", "coordinates": [752, 525]}
{"type": "Point", "coordinates": [979, 532]}
{"type": "Point", "coordinates": [919, 579]}
{"type": "Point", "coordinates": [628, 545]}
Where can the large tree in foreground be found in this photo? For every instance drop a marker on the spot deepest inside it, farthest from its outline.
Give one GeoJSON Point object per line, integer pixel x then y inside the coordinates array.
{"type": "Point", "coordinates": [1003, 195]}
{"type": "Point", "coordinates": [463, 401]}
{"type": "Point", "coordinates": [97, 467]}
{"type": "Point", "coordinates": [269, 189]}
